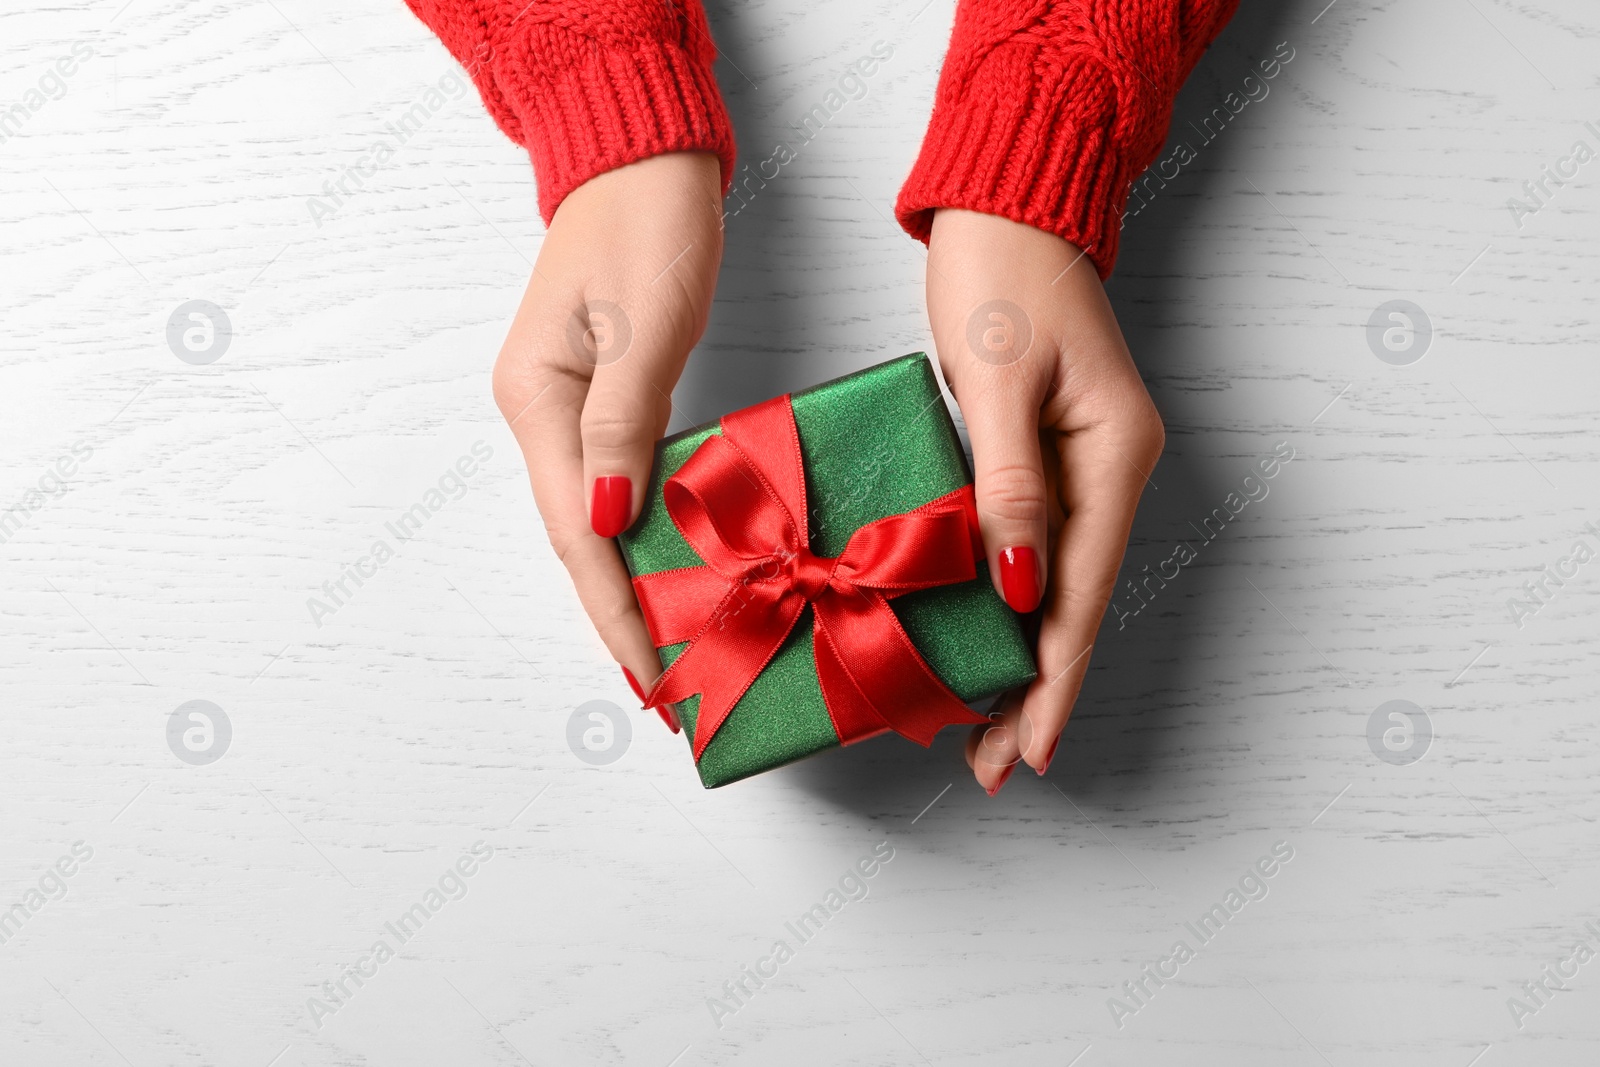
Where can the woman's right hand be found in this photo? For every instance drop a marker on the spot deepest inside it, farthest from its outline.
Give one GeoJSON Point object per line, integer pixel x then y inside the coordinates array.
{"type": "Point", "coordinates": [620, 293]}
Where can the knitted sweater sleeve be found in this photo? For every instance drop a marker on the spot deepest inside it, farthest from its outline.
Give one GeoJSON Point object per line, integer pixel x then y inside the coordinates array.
{"type": "Point", "coordinates": [587, 86]}
{"type": "Point", "coordinates": [1047, 110]}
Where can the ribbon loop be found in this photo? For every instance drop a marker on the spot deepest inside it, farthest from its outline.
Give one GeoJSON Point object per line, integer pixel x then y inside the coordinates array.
{"type": "Point", "coordinates": [740, 503]}
{"type": "Point", "coordinates": [728, 512]}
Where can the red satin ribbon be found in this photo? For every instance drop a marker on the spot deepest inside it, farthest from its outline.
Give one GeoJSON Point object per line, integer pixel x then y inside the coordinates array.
{"type": "Point", "coordinates": [740, 502]}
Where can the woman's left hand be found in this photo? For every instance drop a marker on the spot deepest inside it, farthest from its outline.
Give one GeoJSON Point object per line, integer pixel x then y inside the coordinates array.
{"type": "Point", "coordinates": [1064, 437]}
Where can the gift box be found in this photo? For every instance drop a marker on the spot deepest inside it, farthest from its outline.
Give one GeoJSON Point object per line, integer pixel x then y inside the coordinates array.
{"type": "Point", "coordinates": [811, 573]}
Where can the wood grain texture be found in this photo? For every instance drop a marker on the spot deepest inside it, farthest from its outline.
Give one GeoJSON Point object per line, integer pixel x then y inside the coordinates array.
{"type": "Point", "coordinates": [430, 712]}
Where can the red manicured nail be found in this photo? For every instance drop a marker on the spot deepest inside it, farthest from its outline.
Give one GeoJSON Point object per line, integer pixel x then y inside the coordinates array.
{"type": "Point", "coordinates": [1048, 756]}
{"type": "Point", "coordinates": [669, 717]}
{"type": "Point", "coordinates": [1004, 775]}
{"type": "Point", "coordinates": [611, 504]}
{"type": "Point", "coordinates": [633, 683]}
{"type": "Point", "coordinates": [1019, 578]}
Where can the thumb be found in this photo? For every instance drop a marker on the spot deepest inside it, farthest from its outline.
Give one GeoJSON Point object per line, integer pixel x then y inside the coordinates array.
{"type": "Point", "coordinates": [1011, 493]}
{"type": "Point", "coordinates": [625, 412]}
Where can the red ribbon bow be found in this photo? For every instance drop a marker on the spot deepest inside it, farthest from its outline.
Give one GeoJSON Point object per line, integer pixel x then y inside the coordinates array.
{"type": "Point", "coordinates": [740, 502]}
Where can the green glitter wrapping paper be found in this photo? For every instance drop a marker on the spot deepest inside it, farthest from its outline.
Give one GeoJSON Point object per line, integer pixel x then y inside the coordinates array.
{"type": "Point", "coordinates": [875, 443]}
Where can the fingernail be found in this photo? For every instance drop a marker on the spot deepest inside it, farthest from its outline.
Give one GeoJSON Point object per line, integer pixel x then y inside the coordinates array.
{"type": "Point", "coordinates": [610, 505]}
{"type": "Point", "coordinates": [1005, 774]}
{"type": "Point", "coordinates": [668, 716]}
{"type": "Point", "coordinates": [1019, 578]}
{"type": "Point", "coordinates": [633, 683]}
{"type": "Point", "coordinates": [1048, 756]}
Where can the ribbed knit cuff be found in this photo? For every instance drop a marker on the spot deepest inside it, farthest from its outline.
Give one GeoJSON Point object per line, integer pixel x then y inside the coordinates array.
{"type": "Point", "coordinates": [602, 106]}
{"type": "Point", "coordinates": [1036, 140]}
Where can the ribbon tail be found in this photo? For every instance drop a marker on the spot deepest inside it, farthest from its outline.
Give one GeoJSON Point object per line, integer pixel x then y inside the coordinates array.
{"type": "Point", "coordinates": [724, 659]}
{"type": "Point", "coordinates": [884, 677]}
{"type": "Point", "coordinates": [854, 718]}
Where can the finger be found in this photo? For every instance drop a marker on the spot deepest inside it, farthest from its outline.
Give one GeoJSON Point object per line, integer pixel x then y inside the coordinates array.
{"type": "Point", "coordinates": [542, 405]}
{"type": "Point", "coordinates": [625, 413]}
{"type": "Point", "coordinates": [1103, 473]}
{"type": "Point", "coordinates": [635, 348]}
{"type": "Point", "coordinates": [995, 749]}
{"type": "Point", "coordinates": [1002, 416]}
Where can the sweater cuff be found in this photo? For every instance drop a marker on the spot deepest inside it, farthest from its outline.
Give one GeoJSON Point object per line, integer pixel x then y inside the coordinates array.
{"type": "Point", "coordinates": [608, 105]}
{"type": "Point", "coordinates": [1039, 142]}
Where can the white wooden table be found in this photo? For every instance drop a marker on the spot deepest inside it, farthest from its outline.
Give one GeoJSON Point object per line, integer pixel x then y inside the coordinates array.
{"type": "Point", "coordinates": [176, 518]}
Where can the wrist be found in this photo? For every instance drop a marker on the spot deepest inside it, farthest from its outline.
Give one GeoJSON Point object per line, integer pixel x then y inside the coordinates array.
{"type": "Point", "coordinates": [1018, 261]}
{"type": "Point", "coordinates": [671, 189]}
{"type": "Point", "coordinates": [997, 234]}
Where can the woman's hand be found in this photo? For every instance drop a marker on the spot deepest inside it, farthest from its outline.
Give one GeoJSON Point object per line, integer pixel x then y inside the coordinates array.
{"type": "Point", "coordinates": [620, 294]}
{"type": "Point", "coordinates": [1063, 438]}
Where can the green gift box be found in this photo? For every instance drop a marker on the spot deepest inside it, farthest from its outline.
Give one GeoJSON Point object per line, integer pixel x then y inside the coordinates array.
{"type": "Point", "coordinates": [873, 445]}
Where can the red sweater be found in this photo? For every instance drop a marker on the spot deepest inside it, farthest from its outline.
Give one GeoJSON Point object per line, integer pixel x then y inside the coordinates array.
{"type": "Point", "coordinates": [1046, 111]}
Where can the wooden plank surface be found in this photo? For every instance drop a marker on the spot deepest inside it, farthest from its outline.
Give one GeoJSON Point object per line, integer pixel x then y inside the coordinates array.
{"type": "Point", "coordinates": [175, 519]}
